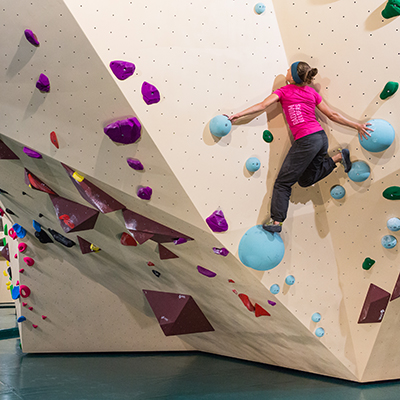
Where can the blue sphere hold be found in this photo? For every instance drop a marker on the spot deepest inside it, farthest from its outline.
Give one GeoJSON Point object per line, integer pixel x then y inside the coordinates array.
{"type": "Point", "coordinates": [253, 164]}
{"type": "Point", "coordinates": [275, 289]}
{"type": "Point", "coordinates": [381, 138]}
{"type": "Point", "coordinates": [220, 125]}
{"type": "Point", "coordinates": [259, 8]}
{"type": "Point", "coordinates": [290, 280]}
{"type": "Point", "coordinates": [359, 172]}
{"type": "Point", "coordinates": [389, 241]}
{"type": "Point", "coordinates": [316, 317]}
{"type": "Point", "coordinates": [338, 192]}
{"type": "Point", "coordinates": [319, 332]}
{"type": "Point", "coordinates": [393, 224]}
{"type": "Point", "coordinates": [260, 249]}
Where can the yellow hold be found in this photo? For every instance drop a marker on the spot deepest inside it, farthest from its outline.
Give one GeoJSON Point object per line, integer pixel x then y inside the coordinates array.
{"type": "Point", "coordinates": [8, 283]}
{"type": "Point", "coordinates": [5, 273]}
{"type": "Point", "coordinates": [94, 248]}
{"type": "Point", "coordinates": [78, 177]}
{"type": "Point", "coordinates": [7, 263]}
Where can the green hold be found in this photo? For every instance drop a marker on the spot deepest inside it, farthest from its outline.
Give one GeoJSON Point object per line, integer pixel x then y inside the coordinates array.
{"type": "Point", "coordinates": [392, 9]}
{"type": "Point", "coordinates": [389, 90]}
{"type": "Point", "coordinates": [4, 241]}
{"type": "Point", "coordinates": [268, 137]}
{"type": "Point", "coordinates": [392, 193]}
{"type": "Point", "coordinates": [5, 230]}
{"type": "Point", "coordinates": [11, 288]}
{"type": "Point", "coordinates": [368, 263]}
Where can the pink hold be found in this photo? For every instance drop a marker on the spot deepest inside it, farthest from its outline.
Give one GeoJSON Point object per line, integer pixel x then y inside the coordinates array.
{"type": "Point", "coordinates": [22, 247]}
{"type": "Point", "coordinates": [15, 255]}
{"type": "Point", "coordinates": [12, 233]}
{"type": "Point", "coordinates": [35, 326]}
{"type": "Point", "coordinates": [17, 283]}
{"type": "Point", "coordinates": [1, 212]}
{"type": "Point", "coordinates": [21, 271]}
{"type": "Point", "coordinates": [44, 317]}
{"type": "Point", "coordinates": [29, 261]}
{"type": "Point", "coordinates": [30, 308]}
{"type": "Point", "coordinates": [24, 304]}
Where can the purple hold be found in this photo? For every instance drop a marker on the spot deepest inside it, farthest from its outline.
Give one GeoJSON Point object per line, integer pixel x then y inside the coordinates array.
{"type": "Point", "coordinates": [135, 164]}
{"type": "Point", "coordinates": [31, 37]}
{"type": "Point", "coordinates": [125, 131]}
{"type": "Point", "coordinates": [145, 193]}
{"type": "Point", "coordinates": [206, 272]}
{"type": "Point", "coordinates": [221, 252]}
{"type": "Point", "coordinates": [32, 153]}
{"type": "Point", "coordinates": [150, 93]}
{"type": "Point", "coordinates": [43, 83]}
{"type": "Point", "coordinates": [180, 241]}
{"type": "Point", "coordinates": [272, 303]}
{"type": "Point", "coordinates": [122, 69]}
{"type": "Point", "coordinates": [217, 222]}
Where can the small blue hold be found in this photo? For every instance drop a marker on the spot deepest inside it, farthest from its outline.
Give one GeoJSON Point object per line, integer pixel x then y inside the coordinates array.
{"type": "Point", "coordinates": [15, 293]}
{"type": "Point", "coordinates": [253, 164]}
{"type": "Point", "coordinates": [338, 192]}
{"type": "Point", "coordinates": [36, 226]}
{"type": "Point", "coordinates": [259, 8]}
{"type": "Point", "coordinates": [290, 280]}
{"type": "Point", "coordinates": [19, 230]}
{"type": "Point", "coordinates": [389, 241]}
{"type": "Point", "coordinates": [393, 224]}
{"type": "Point", "coordinates": [21, 319]}
{"type": "Point", "coordinates": [274, 289]}
{"type": "Point", "coordinates": [316, 317]}
{"type": "Point", "coordinates": [220, 125]}
{"type": "Point", "coordinates": [319, 332]}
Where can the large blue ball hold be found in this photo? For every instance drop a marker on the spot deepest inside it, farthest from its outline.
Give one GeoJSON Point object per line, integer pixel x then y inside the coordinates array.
{"type": "Point", "coordinates": [338, 192]}
{"type": "Point", "coordinates": [220, 125]}
{"type": "Point", "coordinates": [253, 164]}
{"type": "Point", "coordinates": [359, 172]}
{"type": "Point", "coordinates": [381, 138]}
{"type": "Point", "coordinates": [389, 241]}
{"type": "Point", "coordinates": [393, 224]}
{"type": "Point", "coordinates": [260, 249]}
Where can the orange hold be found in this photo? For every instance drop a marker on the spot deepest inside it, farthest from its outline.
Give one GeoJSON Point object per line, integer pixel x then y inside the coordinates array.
{"type": "Point", "coordinates": [54, 140]}
{"type": "Point", "coordinates": [260, 311]}
{"type": "Point", "coordinates": [246, 301]}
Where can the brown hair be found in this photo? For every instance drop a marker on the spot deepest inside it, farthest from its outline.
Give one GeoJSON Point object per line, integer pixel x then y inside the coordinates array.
{"type": "Point", "coordinates": [305, 72]}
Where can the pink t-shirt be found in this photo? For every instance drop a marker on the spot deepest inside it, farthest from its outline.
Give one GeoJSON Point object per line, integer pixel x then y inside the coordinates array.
{"type": "Point", "coordinates": [298, 103]}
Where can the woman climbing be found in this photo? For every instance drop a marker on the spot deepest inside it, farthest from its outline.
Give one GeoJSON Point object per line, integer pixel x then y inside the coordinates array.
{"type": "Point", "coordinates": [307, 161]}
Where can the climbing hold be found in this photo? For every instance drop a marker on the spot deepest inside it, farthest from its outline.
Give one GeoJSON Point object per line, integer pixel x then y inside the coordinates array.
{"type": "Point", "coordinates": [393, 224]}
{"type": "Point", "coordinates": [21, 319]}
{"type": "Point", "coordinates": [246, 301]}
{"type": "Point", "coordinates": [368, 263]}
{"type": "Point", "coordinates": [29, 261]}
{"type": "Point", "coordinates": [44, 317]}
{"type": "Point", "coordinates": [389, 241]}
{"type": "Point", "coordinates": [60, 238]}
{"type": "Point", "coordinates": [30, 308]}
{"type": "Point", "coordinates": [274, 289]}
{"type": "Point", "coordinates": [10, 212]}
{"type": "Point", "coordinates": [40, 215]}
{"type": "Point", "coordinates": [128, 240]}
{"type": "Point", "coordinates": [253, 164]}
{"type": "Point", "coordinates": [43, 83]}
{"type": "Point", "coordinates": [3, 192]}
{"type": "Point", "coordinates": [392, 9]}
{"type": "Point", "coordinates": [319, 332]}
{"type": "Point", "coordinates": [8, 283]}
{"type": "Point", "coordinates": [267, 136]}
{"type": "Point", "coordinates": [36, 226]}
{"type": "Point", "coordinates": [392, 193]}
{"type": "Point", "coordinates": [359, 172]}
{"type": "Point", "coordinates": [389, 90]}
{"type": "Point", "coordinates": [5, 229]}
{"type": "Point", "coordinates": [260, 249]}
{"type": "Point", "coordinates": [67, 221]}
{"type": "Point", "coordinates": [24, 304]}
{"type": "Point", "coordinates": [19, 230]}
{"type": "Point", "coordinates": [235, 291]}
{"type": "Point", "coordinates": [31, 37]}
{"type": "Point", "coordinates": [231, 281]}
{"type": "Point", "coordinates": [78, 177]}
{"type": "Point", "coordinates": [135, 164]}
{"type": "Point", "coordinates": [35, 326]}
{"type": "Point", "coordinates": [24, 291]}
{"type": "Point", "coordinates": [259, 8]}
{"type": "Point", "coordinates": [180, 241]}
{"type": "Point", "coordinates": [260, 311]}
{"type": "Point", "coordinates": [43, 237]}
{"type": "Point", "coordinates": [290, 280]}
{"type": "Point", "coordinates": [150, 93]}
{"type": "Point", "coordinates": [125, 131]}
{"type": "Point", "coordinates": [206, 272]}
{"type": "Point", "coordinates": [5, 273]}
{"type": "Point", "coordinates": [145, 193]}
{"type": "Point", "coordinates": [338, 192]}
{"type": "Point", "coordinates": [374, 306]}
{"type": "Point", "coordinates": [54, 140]}
{"type": "Point", "coordinates": [381, 137]}
{"type": "Point", "coordinates": [150, 264]}
{"type": "Point", "coordinates": [35, 183]}
{"type": "Point", "coordinates": [221, 252]}
{"type": "Point", "coordinates": [87, 247]}
{"type": "Point", "coordinates": [31, 153]}
{"type": "Point", "coordinates": [156, 273]}
{"type": "Point", "coordinates": [316, 317]}
{"type": "Point", "coordinates": [17, 283]}
{"type": "Point", "coordinates": [12, 233]}
{"type": "Point", "coordinates": [272, 303]}
{"type": "Point", "coordinates": [21, 271]}
{"type": "Point", "coordinates": [220, 125]}
{"type": "Point", "coordinates": [94, 248]}
{"type": "Point", "coordinates": [122, 69]}
{"type": "Point", "coordinates": [1, 212]}
{"type": "Point", "coordinates": [15, 293]}
{"type": "Point", "coordinates": [217, 222]}
{"type": "Point", "coordinates": [22, 247]}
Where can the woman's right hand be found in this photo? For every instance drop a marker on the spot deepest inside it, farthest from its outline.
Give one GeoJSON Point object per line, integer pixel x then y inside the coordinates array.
{"type": "Point", "coordinates": [363, 131]}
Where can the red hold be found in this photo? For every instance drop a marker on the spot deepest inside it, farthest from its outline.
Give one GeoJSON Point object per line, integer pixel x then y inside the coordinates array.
{"type": "Point", "coordinates": [261, 311]}
{"type": "Point", "coordinates": [67, 220]}
{"type": "Point", "coordinates": [29, 261]}
{"type": "Point", "coordinates": [128, 240]}
{"type": "Point", "coordinates": [150, 264]}
{"type": "Point", "coordinates": [246, 301]}
{"type": "Point", "coordinates": [54, 140]}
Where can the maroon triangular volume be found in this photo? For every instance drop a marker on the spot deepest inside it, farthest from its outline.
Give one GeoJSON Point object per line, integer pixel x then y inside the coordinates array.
{"type": "Point", "coordinates": [165, 254]}
{"type": "Point", "coordinates": [36, 183]}
{"type": "Point", "coordinates": [177, 314]}
{"type": "Point", "coordinates": [6, 153]}
{"type": "Point", "coordinates": [84, 245]}
{"type": "Point", "coordinates": [139, 223]}
{"type": "Point", "coordinates": [141, 237]}
{"type": "Point", "coordinates": [374, 306]}
{"type": "Point", "coordinates": [5, 252]}
{"type": "Point", "coordinates": [73, 217]}
{"type": "Point", "coordinates": [396, 290]}
{"type": "Point", "coordinates": [94, 195]}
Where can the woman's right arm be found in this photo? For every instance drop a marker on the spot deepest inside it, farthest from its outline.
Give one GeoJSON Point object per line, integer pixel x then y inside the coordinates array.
{"type": "Point", "coordinates": [259, 107]}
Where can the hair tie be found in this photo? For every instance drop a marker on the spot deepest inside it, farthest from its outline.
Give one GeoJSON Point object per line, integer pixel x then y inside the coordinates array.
{"type": "Point", "coordinates": [295, 75]}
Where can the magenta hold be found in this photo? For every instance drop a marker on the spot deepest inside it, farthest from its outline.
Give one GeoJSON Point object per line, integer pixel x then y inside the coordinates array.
{"type": "Point", "coordinates": [35, 326]}
{"type": "Point", "coordinates": [15, 255]}
{"type": "Point", "coordinates": [22, 247]}
{"type": "Point", "coordinates": [30, 308]}
{"type": "Point", "coordinates": [29, 261]}
{"type": "Point", "coordinates": [12, 233]}
{"type": "Point", "coordinates": [24, 291]}
{"type": "Point", "coordinates": [21, 271]}
{"type": "Point", "coordinates": [17, 283]}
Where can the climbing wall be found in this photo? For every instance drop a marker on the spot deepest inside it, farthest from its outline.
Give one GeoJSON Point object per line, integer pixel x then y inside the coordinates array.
{"type": "Point", "coordinates": [205, 58]}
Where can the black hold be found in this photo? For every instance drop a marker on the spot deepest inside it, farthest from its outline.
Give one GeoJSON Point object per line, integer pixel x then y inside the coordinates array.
{"type": "Point", "coordinates": [156, 273]}
{"type": "Point", "coordinates": [43, 237]}
{"type": "Point", "coordinates": [61, 239]}
{"type": "Point", "coordinates": [10, 212]}
{"type": "Point", "coordinates": [40, 215]}
{"type": "Point", "coordinates": [9, 272]}
{"type": "Point", "coordinates": [3, 191]}
{"type": "Point", "coordinates": [23, 193]}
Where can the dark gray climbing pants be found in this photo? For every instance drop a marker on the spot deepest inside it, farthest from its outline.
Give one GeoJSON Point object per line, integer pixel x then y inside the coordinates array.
{"type": "Point", "coordinates": [305, 163]}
